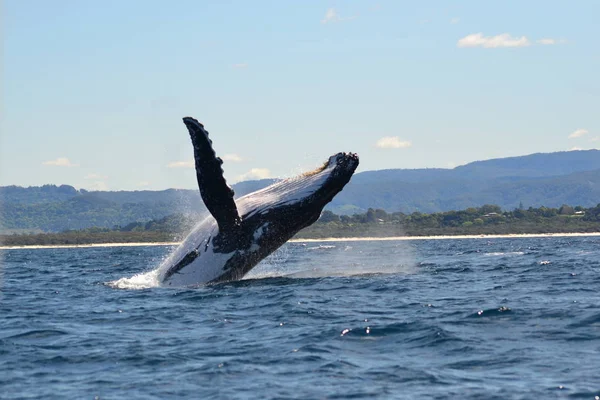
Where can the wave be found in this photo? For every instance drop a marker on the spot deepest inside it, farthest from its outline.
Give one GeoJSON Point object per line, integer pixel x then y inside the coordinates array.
{"type": "Point", "coordinates": [37, 334]}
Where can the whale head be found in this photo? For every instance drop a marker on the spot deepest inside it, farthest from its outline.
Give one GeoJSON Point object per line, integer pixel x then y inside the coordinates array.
{"type": "Point", "coordinates": [303, 196]}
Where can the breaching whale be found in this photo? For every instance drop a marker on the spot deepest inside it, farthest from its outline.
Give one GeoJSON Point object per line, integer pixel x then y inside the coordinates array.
{"type": "Point", "coordinates": [240, 233]}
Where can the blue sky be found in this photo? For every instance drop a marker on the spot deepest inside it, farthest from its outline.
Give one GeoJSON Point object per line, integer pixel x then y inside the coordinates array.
{"type": "Point", "coordinates": [93, 92]}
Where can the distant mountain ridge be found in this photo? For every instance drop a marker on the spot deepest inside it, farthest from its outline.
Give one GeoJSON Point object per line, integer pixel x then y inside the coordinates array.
{"type": "Point", "coordinates": [549, 179]}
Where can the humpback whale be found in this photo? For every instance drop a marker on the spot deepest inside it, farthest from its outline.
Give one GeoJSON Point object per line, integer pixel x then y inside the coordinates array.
{"type": "Point", "coordinates": [240, 233]}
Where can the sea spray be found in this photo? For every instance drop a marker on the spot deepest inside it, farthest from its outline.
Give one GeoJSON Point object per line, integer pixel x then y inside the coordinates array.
{"type": "Point", "coordinates": [275, 265]}
{"type": "Point", "coordinates": [345, 260]}
{"type": "Point", "coordinates": [143, 280]}
{"type": "Point", "coordinates": [336, 258]}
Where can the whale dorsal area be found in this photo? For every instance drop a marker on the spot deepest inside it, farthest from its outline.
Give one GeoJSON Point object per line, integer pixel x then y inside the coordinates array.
{"type": "Point", "coordinates": [216, 194]}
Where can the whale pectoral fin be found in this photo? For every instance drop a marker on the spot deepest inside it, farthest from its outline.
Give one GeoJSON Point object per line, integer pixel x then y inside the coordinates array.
{"type": "Point", "coordinates": [216, 194]}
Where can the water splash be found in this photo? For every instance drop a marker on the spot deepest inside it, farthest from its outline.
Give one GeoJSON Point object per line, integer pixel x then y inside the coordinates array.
{"type": "Point", "coordinates": [334, 261]}
{"type": "Point", "coordinates": [297, 260]}
{"type": "Point", "coordinates": [354, 270]}
{"type": "Point", "coordinates": [143, 280]}
{"type": "Point", "coordinates": [273, 266]}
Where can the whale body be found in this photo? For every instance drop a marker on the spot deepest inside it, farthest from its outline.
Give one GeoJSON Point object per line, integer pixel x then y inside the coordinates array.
{"type": "Point", "coordinates": [240, 233]}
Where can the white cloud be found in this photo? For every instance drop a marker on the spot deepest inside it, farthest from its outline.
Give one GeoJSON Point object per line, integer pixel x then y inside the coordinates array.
{"type": "Point", "coordinates": [455, 20]}
{"type": "Point", "coordinates": [503, 40]}
{"type": "Point", "coordinates": [575, 148]}
{"type": "Point", "coordinates": [99, 182]}
{"type": "Point", "coordinates": [96, 176]}
{"type": "Point", "coordinates": [578, 133]}
{"type": "Point", "coordinates": [232, 157]}
{"type": "Point", "coordinates": [392, 142]}
{"type": "Point", "coordinates": [596, 139]}
{"type": "Point", "coordinates": [240, 65]}
{"type": "Point", "coordinates": [143, 184]}
{"type": "Point", "coordinates": [547, 41]}
{"type": "Point", "coordinates": [181, 164]}
{"type": "Point", "coordinates": [332, 16]}
{"type": "Point", "coordinates": [255, 173]}
{"type": "Point", "coordinates": [60, 162]}
{"type": "Point", "coordinates": [98, 185]}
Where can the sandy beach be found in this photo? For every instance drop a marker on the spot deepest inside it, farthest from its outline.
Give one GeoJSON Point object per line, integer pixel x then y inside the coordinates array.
{"type": "Point", "coordinates": [343, 239]}
{"type": "Point", "coordinates": [76, 246]}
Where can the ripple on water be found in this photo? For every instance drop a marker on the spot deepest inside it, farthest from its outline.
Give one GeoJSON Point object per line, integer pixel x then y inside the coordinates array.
{"type": "Point", "coordinates": [36, 334]}
{"type": "Point", "coordinates": [472, 319]}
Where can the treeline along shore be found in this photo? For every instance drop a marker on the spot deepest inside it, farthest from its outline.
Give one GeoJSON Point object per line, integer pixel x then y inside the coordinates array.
{"type": "Point", "coordinates": [485, 220]}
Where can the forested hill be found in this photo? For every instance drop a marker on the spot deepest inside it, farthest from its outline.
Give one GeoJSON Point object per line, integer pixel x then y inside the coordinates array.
{"type": "Point", "coordinates": [550, 180]}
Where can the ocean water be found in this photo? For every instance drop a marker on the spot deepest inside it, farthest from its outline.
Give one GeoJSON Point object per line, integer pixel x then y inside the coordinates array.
{"type": "Point", "coordinates": [445, 319]}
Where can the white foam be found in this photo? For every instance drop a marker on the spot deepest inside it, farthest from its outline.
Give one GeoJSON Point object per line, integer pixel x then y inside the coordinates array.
{"type": "Point", "coordinates": [140, 281]}
{"type": "Point", "coordinates": [321, 247]}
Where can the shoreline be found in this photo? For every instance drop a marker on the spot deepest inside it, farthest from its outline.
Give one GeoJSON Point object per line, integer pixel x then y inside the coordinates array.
{"type": "Point", "coordinates": [450, 237]}
{"type": "Point", "coordinates": [331, 239]}
{"type": "Point", "coordinates": [76, 246]}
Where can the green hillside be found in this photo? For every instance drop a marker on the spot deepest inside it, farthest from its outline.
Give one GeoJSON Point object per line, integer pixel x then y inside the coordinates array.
{"type": "Point", "coordinates": [535, 180]}
{"type": "Point", "coordinates": [488, 219]}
